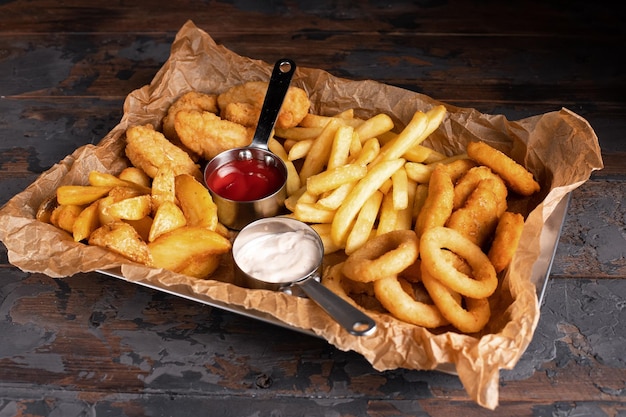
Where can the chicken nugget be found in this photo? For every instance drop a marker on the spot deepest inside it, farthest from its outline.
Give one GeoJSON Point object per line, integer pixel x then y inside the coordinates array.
{"type": "Point", "coordinates": [507, 237]}
{"type": "Point", "coordinates": [242, 104]}
{"type": "Point", "coordinates": [191, 100]}
{"type": "Point", "coordinates": [149, 149]}
{"type": "Point", "coordinates": [207, 134]}
{"type": "Point", "coordinates": [468, 182]}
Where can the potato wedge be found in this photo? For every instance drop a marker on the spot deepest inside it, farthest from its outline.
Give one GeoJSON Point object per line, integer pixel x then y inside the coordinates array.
{"type": "Point", "coordinates": [142, 226]}
{"type": "Point", "coordinates": [133, 208]}
{"type": "Point", "coordinates": [167, 218]}
{"type": "Point", "coordinates": [86, 222]}
{"type": "Point", "coordinates": [81, 195]}
{"type": "Point", "coordinates": [175, 250]}
{"type": "Point", "coordinates": [103, 212]}
{"type": "Point", "coordinates": [196, 202]}
{"type": "Point", "coordinates": [136, 176]}
{"type": "Point", "coordinates": [163, 186]}
{"type": "Point", "coordinates": [201, 266]}
{"type": "Point", "coordinates": [123, 239]}
{"type": "Point", "coordinates": [103, 179]}
{"type": "Point", "coordinates": [65, 215]}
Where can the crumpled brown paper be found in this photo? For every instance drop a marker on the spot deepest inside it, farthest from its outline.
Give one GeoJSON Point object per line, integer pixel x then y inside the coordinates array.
{"type": "Point", "coordinates": [560, 148]}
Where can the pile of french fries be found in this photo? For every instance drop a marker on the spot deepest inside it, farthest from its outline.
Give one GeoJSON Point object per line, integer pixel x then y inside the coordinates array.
{"type": "Point", "coordinates": [169, 221]}
{"type": "Point", "coordinates": [357, 178]}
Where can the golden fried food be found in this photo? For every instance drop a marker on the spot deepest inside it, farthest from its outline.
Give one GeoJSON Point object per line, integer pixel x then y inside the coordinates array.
{"type": "Point", "coordinates": [191, 100]}
{"type": "Point", "coordinates": [516, 176]}
{"type": "Point", "coordinates": [437, 207]}
{"type": "Point", "coordinates": [242, 104]}
{"type": "Point", "coordinates": [469, 181]}
{"type": "Point", "coordinates": [382, 256]}
{"type": "Point", "coordinates": [148, 150]}
{"type": "Point", "coordinates": [505, 241]}
{"type": "Point", "coordinates": [434, 241]}
{"type": "Point", "coordinates": [206, 134]}
{"type": "Point", "coordinates": [122, 238]}
{"type": "Point", "coordinates": [478, 217]}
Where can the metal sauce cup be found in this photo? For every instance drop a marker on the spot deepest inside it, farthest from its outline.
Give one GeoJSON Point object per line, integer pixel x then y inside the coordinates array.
{"type": "Point", "coordinates": [237, 212]}
{"type": "Point", "coordinates": [285, 254]}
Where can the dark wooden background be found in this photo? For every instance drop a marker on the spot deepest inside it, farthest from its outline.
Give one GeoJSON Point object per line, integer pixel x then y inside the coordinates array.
{"type": "Point", "coordinates": [93, 345]}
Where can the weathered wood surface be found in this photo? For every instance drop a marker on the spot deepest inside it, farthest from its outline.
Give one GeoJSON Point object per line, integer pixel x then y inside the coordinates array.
{"type": "Point", "coordinates": [95, 345]}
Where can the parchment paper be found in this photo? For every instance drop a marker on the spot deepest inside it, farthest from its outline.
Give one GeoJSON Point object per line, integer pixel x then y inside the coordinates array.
{"type": "Point", "coordinates": [560, 148]}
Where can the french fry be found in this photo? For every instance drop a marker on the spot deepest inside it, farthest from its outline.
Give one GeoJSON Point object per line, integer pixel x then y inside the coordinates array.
{"type": "Point", "coordinates": [405, 216]}
{"type": "Point", "coordinates": [133, 208]}
{"type": "Point", "coordinates": [400, 189]}
{"type": "Point", "coordinates": [336, 197]}
{"type": "Point", "coordinates": [374, 126]}
{"type": "Point", "coordinates": [317, 157]}
{"type": "Point", "coordinates": [86, 222]}
{"type": "Point", "coordinates": [418, 129]}
{"type": "Point", "coordinates": [420, 153]}
{"type": "Point", "coordinates": [310, 213]}
{"type": "Point", "coordinates": [298, 133]}
{"type": "Point", "coordinates": [323, 230]}
{"type": "Point", "coordinates": [123, 239]}
{"type": "Point", "coordinates": [300, 149]}
{"type": "Point", "coordinates": [364, 224]}
{"type": "Point", "coordinates": [419, 172]}
{"type": "Point", "coordinates": [293, 179]}
{"type": "Point", "coordinates": [81, 195]}
{"type": "Point", "coordinates": [340, 148]}
{"type": "Point", "coordinates": [167, 218]}
{"type": "Point", "coordinates": [369, 152]}
{"type": "Point", "coordinates": [360, 193]}
{"type": "Point", "coordinates": [196, 202]}
{"type": "Point", "coordinates": [388, 216]}
{"type": "Point", "coordinates": [334, 178]}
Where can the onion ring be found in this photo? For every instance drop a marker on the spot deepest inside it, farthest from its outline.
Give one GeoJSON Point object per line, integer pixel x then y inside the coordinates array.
{"type": "Point", "coordinates": [435, 240]}
{"type": "Point", "coordinates": [506, 239]}
{"type": "Point", "coordinates": [470, 320]}
{"type": "Point", "coordinates": [382, 256]}
{"type": "Point", "coordinates": [518, 178]}
{"type": "Point", "coordinates": [438, 204]}
{"type": "Point", "coordinates": [401, 305]}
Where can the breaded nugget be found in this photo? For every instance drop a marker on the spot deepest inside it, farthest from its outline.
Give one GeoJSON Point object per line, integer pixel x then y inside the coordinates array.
{"type": "Point", "coordinates": [242, 104]}
{"type": "Point", "coordinates": [192, 100]}
{"type": "Point", "coordinates": [148, 149]}
{"type": "Point", "coordinates": [468, 182]}
{"type": "Point", "coordinates": [516, 176]}
{"type": "Point", "coordinates": [206, 134]}
{"type": "Point", "coordinates": [506, 239]}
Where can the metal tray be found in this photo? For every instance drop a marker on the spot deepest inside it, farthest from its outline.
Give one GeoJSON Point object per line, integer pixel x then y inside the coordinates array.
{"type": "Point", "coordinates": [541, 271]}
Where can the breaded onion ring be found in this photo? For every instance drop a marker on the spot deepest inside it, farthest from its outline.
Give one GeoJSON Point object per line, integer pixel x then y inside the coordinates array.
{"type": "Point", "coordinates": [382, 256]}
{"type": "Point", "coordinates": [403, 306]}
{"type": "Point", "coordinates": [507, 237]}
{"type": "Point", "coordinates": [438, 205]}
{"type": "Point", "coordinates": [518, 178]}
{"type": "Point", "coordinates": [471, 319]}
{"type": "Point", "coordinates": [435, 240]}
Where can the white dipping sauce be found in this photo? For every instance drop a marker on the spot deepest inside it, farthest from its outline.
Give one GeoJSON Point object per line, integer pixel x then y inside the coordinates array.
{"type": "Point", "coordinates": [279, 257]}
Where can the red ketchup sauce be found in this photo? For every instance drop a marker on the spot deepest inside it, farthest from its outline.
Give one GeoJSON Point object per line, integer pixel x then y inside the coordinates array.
{"type": "Point", "coordinates": [245, 180]}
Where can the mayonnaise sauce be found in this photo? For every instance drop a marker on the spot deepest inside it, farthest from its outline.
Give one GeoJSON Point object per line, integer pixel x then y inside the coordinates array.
{"type": "Point", "coordinates": [279, 257]}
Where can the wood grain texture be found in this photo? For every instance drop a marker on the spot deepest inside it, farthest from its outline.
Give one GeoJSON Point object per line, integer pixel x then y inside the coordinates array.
{"type": "Point", "coordinates": [94, 345]}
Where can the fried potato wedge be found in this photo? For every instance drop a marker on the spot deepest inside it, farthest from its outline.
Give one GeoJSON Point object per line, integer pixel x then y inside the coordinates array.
{"type": "Point", "coordinates": [65, 215]}
{"type": "Point", "coordinates": [81, 195]}
{"type": "Point", "coordinates": [177, 249]}
{"type": "Point", "coordinates": [201, 266]}
{"type": "Point", "coordinates": [196, 202]}
{"type": "Point", "coordinates": [135, 175]}
{"type": "Point", "coordinates": [167, 218]}
{"type": "Point", "coordinates": [163, 186]}
{"type": "Point", "coordinates": [45, 209]}
{"type": "Point", "coordinates": [142, 226]}
{"type": "Point", "coordinates": [103, 179]}
{"type": "Point", "coordinates": [86, 222]}
{"type": "Point", "coordinates": [123, 239]}
{"type": "Point", "coordinates": [133, 208]}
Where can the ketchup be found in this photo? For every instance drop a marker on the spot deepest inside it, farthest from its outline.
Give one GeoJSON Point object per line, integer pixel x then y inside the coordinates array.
{"type": "Point", "coordinates": [245, 180]}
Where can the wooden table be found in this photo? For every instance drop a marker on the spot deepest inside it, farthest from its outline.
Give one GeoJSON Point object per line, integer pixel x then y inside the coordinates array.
{"type": "Point", "coordinates": [94, 345]}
